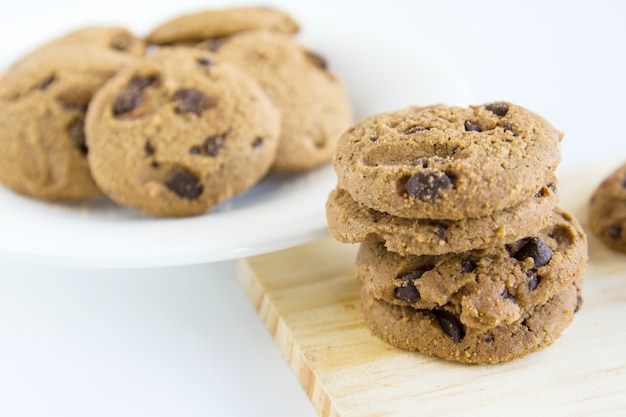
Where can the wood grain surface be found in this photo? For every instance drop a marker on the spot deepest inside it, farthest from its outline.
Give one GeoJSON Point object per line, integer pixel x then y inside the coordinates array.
{"type": "Point", "coordinates": [309, 301]}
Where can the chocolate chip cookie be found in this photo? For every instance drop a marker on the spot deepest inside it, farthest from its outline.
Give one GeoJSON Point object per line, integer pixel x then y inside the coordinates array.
{"type": "Point", "coordinates": [482, 288]}
{"type": "Point", "coordinates": [607, 210]}
{"type": "Point", "coordinates": [314, 103]}
{"type": "Point", "coordinates": [179, 132]}
{"type": "Point", "coordinates": [44, 97]}
{"type": "Point", "coordinates": [351, 222]}
{"type": "Point", "coordinates": [441, 334]}
{"type": "Point", "coordinates": [217, 23]}
{"type": "Point", "coordinates": [443, 162]}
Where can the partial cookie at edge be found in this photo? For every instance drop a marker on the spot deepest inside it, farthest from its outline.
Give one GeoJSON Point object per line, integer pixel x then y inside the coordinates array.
{"type": "Point", "coordinates": [44, 98]}
{"type": "Point", "coordinates": [607, 210]}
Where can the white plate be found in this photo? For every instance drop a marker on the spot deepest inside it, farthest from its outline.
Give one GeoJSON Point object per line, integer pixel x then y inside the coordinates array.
{"type": "Point", "coordinates": [382, 72]}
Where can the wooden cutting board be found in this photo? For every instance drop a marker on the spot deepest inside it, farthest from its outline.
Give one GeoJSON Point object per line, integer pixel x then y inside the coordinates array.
{"type": "Point", "coordinates": [309, 301]}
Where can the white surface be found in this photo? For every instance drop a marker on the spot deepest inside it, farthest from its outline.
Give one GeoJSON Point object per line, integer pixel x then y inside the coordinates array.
{"type": "Point", "coordinates": [147, 342]}
{"type": "Point", "coordinates": [280, 212]}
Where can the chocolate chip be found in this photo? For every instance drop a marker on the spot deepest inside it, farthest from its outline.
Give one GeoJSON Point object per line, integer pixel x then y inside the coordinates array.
{"type": "Point", "coordinates": [467, 266]}
{"type": "Point", "coordinates": [142, 83]}
{"type": "Point", "coordinates": [407, 291]}
{"type": "Point", "coordinates": [535, 249]}
{"type": "Point", "coordinates": [257, 142]}
{"type": "Point", "coordinates": [623, 182]}
{"type": "Point", "coordinates": [429, 185]}
{"type": "Point", "coordinates": [373, 138]}
{"type": "Point", "coordinates": [414, 129]}
{"type": "Point", "coordinates": [579, 304]}
{"type": "Point", "coordinates": [212, 145]}
{"type": "Point", "coordinates": [507, 295]}
{"type": "Point", "coordinates": [316, 60]}
{"type": "Point", "coordinates": [184, 184]}
{"type": "Point", "coordinates": [191, 100]}
{"type": "Point", "coordinates": [533, 280]}
{"type": "Point", "coordinates": [472, 127]}
{"type": "Point", "coordinates": [76, 131]}
{"type": "Point", "coordinates": [127, 100]}
{"type": "Point", "coordinates": [205, 62]}
{"type": "Point", "coordinates": [450, 325]}
{"type": "Point", "coordinates": [508, 127]}
{"type": "Point", "coordinates": [614, 232]}
{"type": "Point", "coordinates": [131, 97]}
{"type": "Point", "coordinates": [195, 150]}
{"type": "Point", "coordinates": [148, 149]}
{"type": "Point", "coordinates": [498, 108]}
{"type": "Point", "coordinates": [546, 190]}
{"type": "Point", "coordinates": [46, 83]}
{"type": "Point", "coordinates": [540, 193]}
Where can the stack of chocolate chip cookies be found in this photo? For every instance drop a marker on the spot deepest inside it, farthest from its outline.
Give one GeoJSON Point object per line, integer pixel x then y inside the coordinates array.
{"type": "Point", "coordinates": [464, 253]}
{"type": "Point", "coordinates": [173, 123]}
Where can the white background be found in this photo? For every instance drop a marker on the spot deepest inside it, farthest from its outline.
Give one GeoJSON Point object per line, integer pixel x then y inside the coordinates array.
{"type": "Point", "coordinates": [186, 341]}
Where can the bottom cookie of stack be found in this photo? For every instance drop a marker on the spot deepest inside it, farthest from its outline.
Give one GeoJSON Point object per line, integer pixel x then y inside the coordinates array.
{"type": "Point", "coordinates": [439, 333]}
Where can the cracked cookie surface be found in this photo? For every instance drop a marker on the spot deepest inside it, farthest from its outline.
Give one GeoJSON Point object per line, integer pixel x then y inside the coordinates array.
{"type": "Point", "coordinates": [442, 162]}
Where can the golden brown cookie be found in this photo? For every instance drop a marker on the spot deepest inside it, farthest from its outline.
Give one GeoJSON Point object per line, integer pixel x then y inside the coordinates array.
{"type": "Point", "coordinates": [482, 288]}
{"type": "Point", "coordinates": [179, 132]}
{"type": "Point", "coordinates": [442, 162]}
{"type": "Point", "coordinates": [439, 333]}
{"type": "Point", "coordinates": [44, 98]}
{"type": "Point", "coordinates": [607, 210]}
{"type": "Point", "coordinates": [217, 23]}
{"type": "Point", "coordinates": [314, 103]}
{"type": "Point", "coordinates": [351, 222]}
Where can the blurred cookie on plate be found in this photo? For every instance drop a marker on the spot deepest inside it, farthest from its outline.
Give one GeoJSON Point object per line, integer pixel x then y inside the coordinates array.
{"type": "Point", "coordinates": [44, 97]}
{"type": "Point", "coordinates": [180, 131]}
{"type": "Point", "coordinates": [314, 103]}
